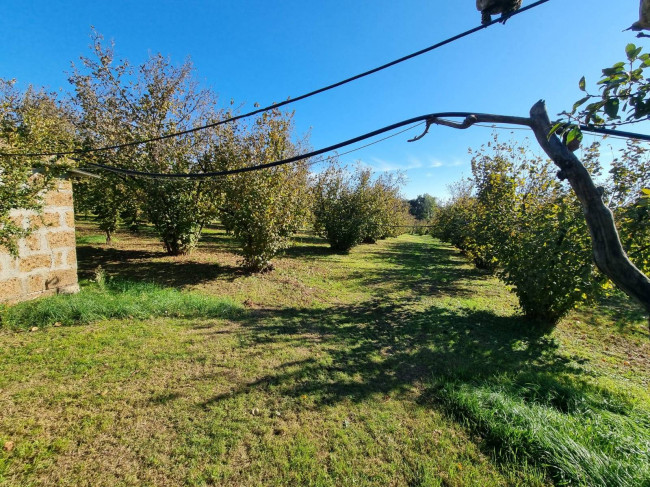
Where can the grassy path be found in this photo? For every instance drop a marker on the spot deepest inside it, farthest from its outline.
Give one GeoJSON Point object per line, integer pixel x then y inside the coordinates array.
{"type": "Point", "coordinates": [343, 370]}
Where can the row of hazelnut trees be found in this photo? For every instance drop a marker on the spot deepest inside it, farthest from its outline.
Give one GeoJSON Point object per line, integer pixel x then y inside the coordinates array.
{"type": "Point", "coordinates": [114, 103]}
{"type": "Point", "coordinates": [513, 217]}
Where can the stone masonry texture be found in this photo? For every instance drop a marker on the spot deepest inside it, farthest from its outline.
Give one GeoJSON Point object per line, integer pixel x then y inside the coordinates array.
{"type": "Point", "coordinates": [47, 258]}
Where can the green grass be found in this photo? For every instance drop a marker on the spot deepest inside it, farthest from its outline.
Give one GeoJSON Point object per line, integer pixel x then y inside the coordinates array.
{"type": "Point", "coordinates": [398, 364]}
{"type": "Point", "coordinates": [93, 239]}
{"type": "Point", "coordinates": [583, 437]}
{"type": "Point", "coordinates": [116, 299]}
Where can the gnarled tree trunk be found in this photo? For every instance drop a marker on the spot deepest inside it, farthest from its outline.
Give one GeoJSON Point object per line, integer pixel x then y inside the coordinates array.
{"type": "Point", "coordinates": [608, 251]}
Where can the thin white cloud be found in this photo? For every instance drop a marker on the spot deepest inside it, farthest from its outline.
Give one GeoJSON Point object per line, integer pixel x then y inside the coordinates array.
{"type": "Point", "coordinates": [433, 162]}
{"type": "Point", "coordinates": [411, 162]}
{"type": "Point", "coordinates": [382, 165]}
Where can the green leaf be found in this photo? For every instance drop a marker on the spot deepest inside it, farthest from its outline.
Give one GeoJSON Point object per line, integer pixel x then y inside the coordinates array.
{"type": "Point", "coordinates": [629, 50]}
{"type": "Point", "coordinates": [583, 83]}
{"type": "Point", "coordinates": [555, 128]}
{"type": "Point", "coordinates": [573, 134]}
{"type": "Point", "coordinates": [611, 108]}
{"type": "Point", "coordinates": [580, 102]}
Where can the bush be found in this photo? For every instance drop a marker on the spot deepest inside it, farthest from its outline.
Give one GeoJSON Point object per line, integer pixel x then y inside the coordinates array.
{"type": "Point", "coordinates": [513, 217]}
{"type": "Point", "coordinates": [338, 210]}
{"type": "Point", "coordinates": [350, 208]}
{"type": "Point", "coordinates": [263, 208]}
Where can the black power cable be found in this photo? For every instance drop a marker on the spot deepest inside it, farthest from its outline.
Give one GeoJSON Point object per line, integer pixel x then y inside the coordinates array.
{"type": "Point", "coordinates": [204, 175]}
{"type": "Point", "coordinates": [289, 100]}
{"type": "Point", "coordinates": [422, 118]}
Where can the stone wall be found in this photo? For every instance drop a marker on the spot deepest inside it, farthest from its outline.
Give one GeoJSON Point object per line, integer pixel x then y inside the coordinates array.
{"type": "Point", "coordinates": [47, 258]}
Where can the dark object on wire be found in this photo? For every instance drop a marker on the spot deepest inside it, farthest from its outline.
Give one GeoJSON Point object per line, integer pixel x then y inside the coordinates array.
{"type": "Point", "coordinates": [488, 8]}
{"type": "Point", "coordinates": [644, 19]}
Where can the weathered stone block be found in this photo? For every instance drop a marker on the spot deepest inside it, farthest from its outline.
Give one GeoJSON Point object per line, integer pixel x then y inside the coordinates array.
{"type": "Point", "coordinates": [59, 258]}
{"type": "Point", "coordinates": [17, 219]}
{"type": "Point", "coordinates": [29, 264]}
{"type": "Point", "coordinates": [7, 266]}
{"type": "Point", "coordinates": [51, 219]}
{"type": "Point", "coordinates": [71, 259]}
{"type": "Point", "coordinates": [35, 283]}
{"type": "Point", "coordinates": [33, 242]}
{"type": "Point", "coordinates": [60, 279]}
{"type": "Point", "coordinates": [10, 289]}
{"type": "Point", "coordinates": [63, 185]}
{"type": "Point", "coordinates": [58, 198]}
{"type": "Point", "coordinates": [61, 239]}
{"type": "Point", "coordinates": [68, 219]}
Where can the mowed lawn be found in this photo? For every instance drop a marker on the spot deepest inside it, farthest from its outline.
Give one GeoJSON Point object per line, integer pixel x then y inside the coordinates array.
{"type": "Point", "coordinates": [398, 364]}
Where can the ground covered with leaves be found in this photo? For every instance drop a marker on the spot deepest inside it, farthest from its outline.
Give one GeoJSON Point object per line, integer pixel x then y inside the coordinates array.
{"type": "Point", "coordinates": [398, 364]}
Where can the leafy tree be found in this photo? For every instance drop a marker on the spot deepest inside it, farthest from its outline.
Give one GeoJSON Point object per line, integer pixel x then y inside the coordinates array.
{"type": "Point", "coordinates": [120, 104]}
{"type": "Point", "coordinates": [350, 208]}
{"type": "Point", "coordinates": [625, 190]}
{"type": "Point", "coordinates": [107, 197]}
{"type": "Point", "coordinates": [624, 96]}
{"type": "Point", "coordinates": [423, 207]}
{"type": "Point", "coordinates": [263, 208]}
{"type": "Point", "coordinates": [515, 218]}
{"type": "Point", "coordinates": [33, 121]}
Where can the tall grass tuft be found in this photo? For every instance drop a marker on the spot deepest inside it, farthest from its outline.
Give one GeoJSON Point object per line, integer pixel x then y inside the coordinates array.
{"type": "Point", "coordinates": [116, 299]}
{"type": "Point", "coordinates": [580, 437]}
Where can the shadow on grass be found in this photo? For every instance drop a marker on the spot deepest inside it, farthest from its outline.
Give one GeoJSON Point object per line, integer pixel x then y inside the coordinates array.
{"type": "Point", "coordinates": [419, 268]}
{"type": "Point", "coordinates": [377, 348]}
{"type": "Point", "coordinates": [143, 266]}
{"type": "Point", "coordinates": [382, 345]}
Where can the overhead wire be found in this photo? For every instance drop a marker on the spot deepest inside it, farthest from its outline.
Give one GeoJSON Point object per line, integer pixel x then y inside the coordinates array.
{"type": "Point", "coordinates": [325, 159]}
{"type": "Point", "coordinates": [411, 121]}
{"type": "Point", "coordinates": [204, 175]}
{"type": "Point", "coordinates": [614, 134]}
{"type": "Point", "coordinates": [287, 101]}
{"type": "Point", "coordinates": [311, 163]}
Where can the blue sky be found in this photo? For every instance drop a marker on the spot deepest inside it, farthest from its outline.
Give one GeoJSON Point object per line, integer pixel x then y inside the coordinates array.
{"type": "Point", "coordinates": [264, 51]}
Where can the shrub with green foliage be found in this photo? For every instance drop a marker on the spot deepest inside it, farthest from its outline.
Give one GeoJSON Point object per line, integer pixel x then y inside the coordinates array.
{"type": "Point", "coordinates": [262, 208]}
{"type": "Point", "coordinates": [351, 207]}
{"type": "Point", "coordinates": [513, 217]}
{"type": "Point", "coordinates": [337, 210]}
